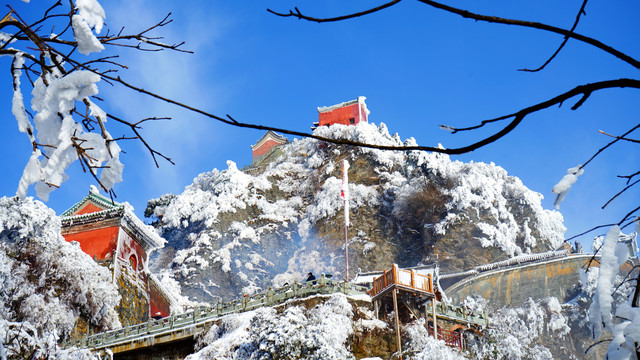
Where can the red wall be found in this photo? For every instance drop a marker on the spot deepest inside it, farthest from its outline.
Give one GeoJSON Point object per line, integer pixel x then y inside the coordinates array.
{"type": "Point", "coordinates": [342, 115]}
{"type": "Point", "coordinates": [157, 303]}
{"type": "Point", "coordinates": [264, 148]}
{"type": "Point", "coordinates": [129, 247]}
{"type": "Point", "coordinates": [97, 243]}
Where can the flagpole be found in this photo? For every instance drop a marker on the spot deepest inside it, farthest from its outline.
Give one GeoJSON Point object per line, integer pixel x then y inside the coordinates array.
{"type": "Point", "coordinates": [346, 243]}
{"type": "Point", "coordinates": [345, 195]}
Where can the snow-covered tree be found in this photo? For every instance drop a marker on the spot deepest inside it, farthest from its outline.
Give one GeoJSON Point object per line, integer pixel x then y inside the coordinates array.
{"type": "Point", "coordinates": [47, 283]}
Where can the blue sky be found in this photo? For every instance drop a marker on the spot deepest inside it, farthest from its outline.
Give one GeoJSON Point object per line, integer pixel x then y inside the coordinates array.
{"type": "Point", "coordinates": [417, 66]}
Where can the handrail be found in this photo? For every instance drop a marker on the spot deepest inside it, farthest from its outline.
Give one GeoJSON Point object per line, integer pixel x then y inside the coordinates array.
{"type": "Point", "coordinates": [451, 338]}
{"type": "Point", "coordinates": [271, 297]}
{"type": "Point", "coordinates": [461, 314]}
{"type": "Point", "coordinates": [397, 276]}
{"type": "Point", "coordinates": [205, 314]}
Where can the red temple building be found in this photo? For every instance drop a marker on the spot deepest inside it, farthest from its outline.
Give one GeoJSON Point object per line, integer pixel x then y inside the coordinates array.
{"type": "Point", "coordinates": [346, 113]}
{"type": "Point", "coordinates": [266, 146]}
{"type": "Point", "coordinates": [112, 234]}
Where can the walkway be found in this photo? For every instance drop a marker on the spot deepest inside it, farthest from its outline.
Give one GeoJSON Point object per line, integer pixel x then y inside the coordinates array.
{"type": "Point", "coordinates": [182, 326]}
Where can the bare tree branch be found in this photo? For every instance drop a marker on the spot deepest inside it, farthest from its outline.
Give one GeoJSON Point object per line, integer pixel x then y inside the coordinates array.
{"type": "Point", "coordinates": [596, 343]}
{"type": "Point", "coordinates": [583, 90]}
{"type": "Point", "coordinates": [299, 15]}
{"type": "Point", "coordinates": [620, 137]}
{"type": "Point", "coordinates": [564, 42]}
{"type": "Point", "coordinates": [609, 144]}
{"type": "Point", "coordinates": [629, 177]}
{"type": "Point", "coordinates": [535, 25]}
{"type": "Point", "coordinates": [619, 193]}
{"type": "Point", "coordinates": [491, 19]}
{"type": "Point", "coordinates": [134, 127]}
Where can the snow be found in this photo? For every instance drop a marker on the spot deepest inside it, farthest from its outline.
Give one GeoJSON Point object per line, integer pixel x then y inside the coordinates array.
{"type": "Point", "coordinates": [600, 311]}
{"type": "Point", "coordinates": [317, 333]}
{"type": "Point", "coordinates": [360, 100]}
{"type": "Point", "coordinates": [611, 307]}
{"type": "Point", "coordinates": [562, 187]}
{"type": "Point", "coordinates": [47, 282]}
{"type": "Point", "coordinates": [92, 13]}
{"type": "Point", "coordinates": [17, 104]}
{"type": "Point", "coordinates": [54, 95]}
{"type": "Point", "coordinates": [519, 333]}
{"type": "Point", "coordinates": [179, 303]}
{"type": "Point", "coordinates": [426, 347]}
{"type": "Point", "coordinates": [87, 42]}
{"type": "Point", "coordinates": [53, 99]}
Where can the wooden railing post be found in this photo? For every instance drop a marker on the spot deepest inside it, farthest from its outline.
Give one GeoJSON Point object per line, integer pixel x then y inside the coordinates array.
{"type": "Point", "coordinates": [413, 279]}
{"type": "Point", "coordinates": [397, 321]}
{"type": "Point", "coordinates": [394, 274]}
{"type": "Point", "coordinates": [435, 318]}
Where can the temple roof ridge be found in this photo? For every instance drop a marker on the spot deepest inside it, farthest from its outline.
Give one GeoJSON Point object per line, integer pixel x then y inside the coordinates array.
{"type": "Point", "coordinates": [93, 197]}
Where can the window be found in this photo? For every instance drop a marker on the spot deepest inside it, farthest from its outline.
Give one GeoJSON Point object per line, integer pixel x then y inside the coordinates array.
{"type": "Point", "coordinates": [133, 262]}
{"type": "Point", "coordinates": [352, 121]}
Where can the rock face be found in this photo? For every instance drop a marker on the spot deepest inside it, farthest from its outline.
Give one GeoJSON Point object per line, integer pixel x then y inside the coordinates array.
{"type": "Point", "coordinates": [238, 231]}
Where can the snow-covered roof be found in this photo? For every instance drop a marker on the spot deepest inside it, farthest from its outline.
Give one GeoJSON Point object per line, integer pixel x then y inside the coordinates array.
{"type": "Point", "coordinates": [360, 100]}
{"type": "Point", "coordinates": [270, 135]}
{"type": "Point", "coordinates": [93, 198]}
{"type": "Point", "coordinates": [146, 235]}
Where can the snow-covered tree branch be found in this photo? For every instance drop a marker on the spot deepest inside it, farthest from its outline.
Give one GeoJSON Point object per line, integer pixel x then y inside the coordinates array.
{"type": "Point", "coordinates": [55, 65]}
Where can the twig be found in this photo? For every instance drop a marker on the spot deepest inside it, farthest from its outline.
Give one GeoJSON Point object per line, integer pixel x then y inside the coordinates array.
{"type": "Point", "coordinates": [590, 230]}
{"type": "Point", "coordinates": [609, 144]}
{"type": "Point", "coordinates": [299, 15]}
{"type": "Point", "coordinates": [596, 343]}
{"type": "Point", "coordinates": [621, 137]}
{"type": "Point", "coordinates": [618, 194]}
{"type": "Point", "coordinates": [564, 42]}
{"type": "Point", "coordinates": [629, 177]}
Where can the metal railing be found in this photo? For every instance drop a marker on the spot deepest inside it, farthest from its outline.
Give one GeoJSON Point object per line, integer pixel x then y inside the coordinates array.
{"type": "Point", "coordinates": [460, 314]}
{"type": "Point", "coordinates": [451, 338]}
{"type": "Point", "coordinates": [202, 315]}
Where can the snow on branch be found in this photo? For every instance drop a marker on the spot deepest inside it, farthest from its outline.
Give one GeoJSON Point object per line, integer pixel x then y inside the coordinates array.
{"type": "Point", "coordinates": [67, 124]}
{"type": "Point", "coordinates": [562, 187]}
